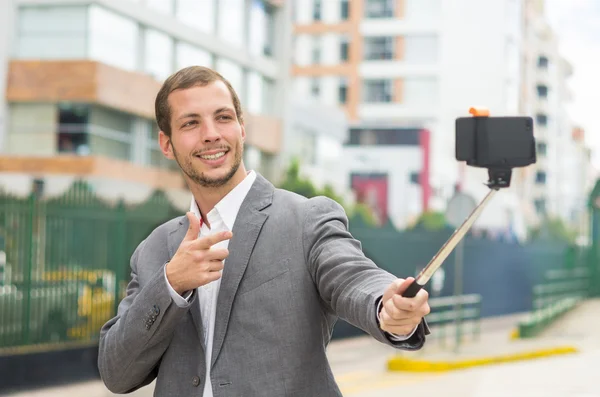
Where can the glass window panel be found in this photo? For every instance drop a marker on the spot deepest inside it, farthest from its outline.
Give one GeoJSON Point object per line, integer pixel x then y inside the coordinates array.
{"type": "Point", "coordinates": [113, 39]}
{"type": "Point", "coordinates": [258, 28]}
{"type": "Point", "coordinates": [234, 74]}
{"type": "Point", "coordinates": [189, 55]}
{"type": "Point", "coordinates": [420, 91]}
{"type": "Point", "coordinates": [380, 90]}
{"type": "Point", "coordinates": [164, 6]}
{"type": "Point", "coordinates": [422, 9]}
{"type": "Point", "coordinates": [57, 32]}
{"type": "Point", "coordinates": [421, 49]}
{"type": "Point", "coordinates": [255, 94]}
{"type": "Point", "coordinates": [158, 52]}
{"type": "Point", "coordinates": [231, 21]}
{"type": "Point", "coordinates": [197, 14]}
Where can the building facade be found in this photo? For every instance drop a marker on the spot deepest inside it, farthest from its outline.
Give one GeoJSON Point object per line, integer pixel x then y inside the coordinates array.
{"type": "Point", "coordinates": [413, 64]}
{"type": "Point", "coordinates": [552, 190]}
{"type": "Point", "coordinates": [82, 76]}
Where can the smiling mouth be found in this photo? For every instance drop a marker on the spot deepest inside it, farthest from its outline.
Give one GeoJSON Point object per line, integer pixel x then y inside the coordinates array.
{"type": "Point", "coordinates": [213, 156]}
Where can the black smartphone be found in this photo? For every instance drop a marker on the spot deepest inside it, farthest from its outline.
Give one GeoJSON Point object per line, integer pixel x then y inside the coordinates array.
{"type": "Point", "coordinates": [495, 142]}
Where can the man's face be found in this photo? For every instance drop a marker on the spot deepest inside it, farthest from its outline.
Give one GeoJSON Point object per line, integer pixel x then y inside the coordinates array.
{"type": "Point", "coordinates": [206, 137]}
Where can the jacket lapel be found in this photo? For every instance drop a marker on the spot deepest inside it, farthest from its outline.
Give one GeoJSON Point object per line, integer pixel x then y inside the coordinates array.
{"type": "Point", "coordinates": [246, 230]}
{"type": "Point", "coordinates": [175, 238]}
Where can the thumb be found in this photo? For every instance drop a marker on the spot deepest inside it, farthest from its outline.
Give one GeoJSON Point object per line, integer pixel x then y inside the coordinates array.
{"type": "Point", "coordinates": [194, 228]}
{"type": "Point", "coordinates": [397, 287]}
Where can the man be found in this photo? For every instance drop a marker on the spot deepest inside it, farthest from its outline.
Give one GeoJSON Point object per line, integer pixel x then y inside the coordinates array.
{"type": "Point", "coordinates": [239, 297]}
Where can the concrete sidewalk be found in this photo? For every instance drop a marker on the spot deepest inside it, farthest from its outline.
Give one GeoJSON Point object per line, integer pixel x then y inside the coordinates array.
{"type": "Point", "coordinates": [360, 364]}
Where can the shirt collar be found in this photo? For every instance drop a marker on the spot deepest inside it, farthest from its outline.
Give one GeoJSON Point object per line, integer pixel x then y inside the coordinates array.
{"type": "Point", "coordinates": [227, 209]}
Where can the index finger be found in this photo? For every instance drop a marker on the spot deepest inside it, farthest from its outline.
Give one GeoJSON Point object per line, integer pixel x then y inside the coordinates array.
{"type": "Point", "coordinates": [410, 304]}
{"type": "Point", "coordinates": [208, 241]}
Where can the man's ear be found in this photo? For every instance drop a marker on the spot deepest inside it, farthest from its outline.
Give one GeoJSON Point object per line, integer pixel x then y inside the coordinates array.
{"type": "Point", "coordinates": [165, 145]}
{"type": "Point", "coordinates": [243, 133]}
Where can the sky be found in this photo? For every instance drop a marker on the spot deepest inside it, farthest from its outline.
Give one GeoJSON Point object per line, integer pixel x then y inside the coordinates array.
{"type": "Point", "coordinates": [577, 25]}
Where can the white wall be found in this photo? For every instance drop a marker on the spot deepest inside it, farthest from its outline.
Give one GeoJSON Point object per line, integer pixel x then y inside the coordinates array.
{"type": "Point", "coordinates": [404, 198]}
{"type": "Point", "coordinates": [7, 17]}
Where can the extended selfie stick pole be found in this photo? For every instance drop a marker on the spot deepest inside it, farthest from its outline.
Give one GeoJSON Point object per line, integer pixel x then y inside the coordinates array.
{"type": "Point", "coordinates": [447, 248]}
{"type": "Point", "coordinates": [498, 178]}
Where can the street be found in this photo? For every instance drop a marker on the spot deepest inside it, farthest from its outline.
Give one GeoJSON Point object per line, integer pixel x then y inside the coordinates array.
{"type": "Point", "coordinates": [359, 365]}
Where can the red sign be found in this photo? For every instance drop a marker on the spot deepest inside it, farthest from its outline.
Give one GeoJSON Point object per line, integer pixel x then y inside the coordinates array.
{"type": "Point", "coordinates": [372, 190]}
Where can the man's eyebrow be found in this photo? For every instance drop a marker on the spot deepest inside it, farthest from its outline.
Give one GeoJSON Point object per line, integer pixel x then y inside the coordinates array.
{"type": "Point", "coordinates": [187, 115]}
{"type": "Point", "coordinates": [223, 109]}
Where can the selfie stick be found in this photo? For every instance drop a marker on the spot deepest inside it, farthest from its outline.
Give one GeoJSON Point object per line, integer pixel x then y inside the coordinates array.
{"type": "Point", "coordinates": [498, 178]}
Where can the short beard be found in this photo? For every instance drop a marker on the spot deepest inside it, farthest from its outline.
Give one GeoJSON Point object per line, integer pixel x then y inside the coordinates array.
{"type": "Point", "coordinates": [201, 179]}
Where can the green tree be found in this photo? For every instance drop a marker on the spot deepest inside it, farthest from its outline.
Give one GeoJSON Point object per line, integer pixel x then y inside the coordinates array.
{"type": "Point", "coordinates": [431, 221]}
{"type": "Point", "coordinates": [554, 229]}
{"type": "Point", "coordinates": [304, 186]}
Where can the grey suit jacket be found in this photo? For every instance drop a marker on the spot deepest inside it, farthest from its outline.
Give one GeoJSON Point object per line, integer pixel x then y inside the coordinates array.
{"type": "Point", "coordinates": [293, 269]}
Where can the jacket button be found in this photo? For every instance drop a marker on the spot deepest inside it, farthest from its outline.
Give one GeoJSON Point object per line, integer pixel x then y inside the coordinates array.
{"type": "Point", "coordinates": [196, 381]}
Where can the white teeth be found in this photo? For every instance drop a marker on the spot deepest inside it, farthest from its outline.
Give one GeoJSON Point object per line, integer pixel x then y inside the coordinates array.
{"type": "Point", "coordinates": [213, 156]}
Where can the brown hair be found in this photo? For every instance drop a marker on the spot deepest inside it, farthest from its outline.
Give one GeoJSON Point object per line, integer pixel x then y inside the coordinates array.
{"type": "Point", "coordinates": [189, 77]}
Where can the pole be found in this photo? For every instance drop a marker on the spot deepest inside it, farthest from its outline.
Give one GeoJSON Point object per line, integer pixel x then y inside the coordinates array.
{"type": "Point", "coordinates": [458, 285]}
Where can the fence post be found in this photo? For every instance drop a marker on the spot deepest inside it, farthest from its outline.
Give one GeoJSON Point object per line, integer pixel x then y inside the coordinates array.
{"type": "Point", "coordinates": [121, 261]}
{"type": "Point", "coordinates": [30, 246]}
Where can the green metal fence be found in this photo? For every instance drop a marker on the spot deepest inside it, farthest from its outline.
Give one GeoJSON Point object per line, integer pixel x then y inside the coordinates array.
{"type": "Point", "coordinates": [64, 263]}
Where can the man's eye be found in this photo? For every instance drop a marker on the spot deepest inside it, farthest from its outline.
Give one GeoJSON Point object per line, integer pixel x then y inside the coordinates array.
{"type": "Point", "coordinates": [224, 117]}
{"type": "Point", "coordinates": [189, 123]}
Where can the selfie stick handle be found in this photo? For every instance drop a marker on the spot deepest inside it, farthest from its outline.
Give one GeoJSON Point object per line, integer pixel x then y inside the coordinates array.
{"type": "Point", "coordinates": [447, 248]}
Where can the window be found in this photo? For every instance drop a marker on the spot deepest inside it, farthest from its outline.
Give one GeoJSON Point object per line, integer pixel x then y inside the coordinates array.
{"type": "Point", "coordinates": [255, 95]}
{"type": "Point", "coordinates": [158, 54]}
{"type": "Point", "coordinates": [344, 9]}
{"type": "Point", "coordinates": [257, 40]}
{"type": "Point", "coordinates": [162, 6]}
{"type": "Point", "coordinates": [542, 148]}
{"type": "Point", "coordinates": [422, 10]}
{"type": "Point", "coordinates": [540, 177]}
{"type": "Point", "coordinates": [542, 91]}
{"type": "Point", "coordinates": [315, 87]}
{"type": "Point", "coordinates": [52, 32]}
{"type": "Point", "coordinates": [189, 55]}
{"type": "Point", "coordinates": [270, 29]}
{"type": "Point", "coordinates": [540, 206]}
{"type": "Point", "coordinates": [421, 49]}
{"type": "Point", "coordinates": [317, 10]}
{"type": "Point", "coordinates": [232, 26]}
{"type": "Point", "coordinates": [420, 91]}
{"type": "Point", "coordinates": [269, 96]}
{"type": "Point", "coordinates": [414, 178]}
{"type": "Point", "coordinates": [197, 14]}
{"type": "Point", "coordinates": [316, 49]}
{"type": "Point", "coordinates": [343, 90]}
{"type": "Point", "coordinates": [344, 46]}
{"type": "Point", "coordinates": [378, 91]}
{"type": "Point", "coordinates": [72, 134]}
{"type": "Point", "coordinates": [113, 39]}
{"type": "Point", "coordinates": [541, 119]}
{"type": "Point", "coordinates": [379, 8]}
{"type": "Point", "coordinates": [385, 136]}
{"type": "Point", "coordinates": [542, 62]}
{"type": "Point", "coordinates": [378, 48]}
{"type": "Point", "coordinates": [234, 73]}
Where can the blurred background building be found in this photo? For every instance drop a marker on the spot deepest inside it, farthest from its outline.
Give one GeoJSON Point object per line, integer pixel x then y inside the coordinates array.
{"type": "Point", "coordinates": [81, 79]}
{"type": "Point", "coordinates": [364, 93]}
{"type": "Point", "coordinates": [396, 66]}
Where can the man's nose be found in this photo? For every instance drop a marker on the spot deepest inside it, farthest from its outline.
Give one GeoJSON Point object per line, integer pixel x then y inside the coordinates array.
{"type": "Point", "coordinates": [210, 133]}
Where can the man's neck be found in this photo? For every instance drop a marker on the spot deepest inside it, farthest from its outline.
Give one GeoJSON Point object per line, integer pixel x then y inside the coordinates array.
{"type": "Point", "coordinates": [208, 197]}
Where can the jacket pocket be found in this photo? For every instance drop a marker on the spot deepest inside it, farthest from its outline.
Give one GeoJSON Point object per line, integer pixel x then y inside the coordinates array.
{"type": "Point", "coordinates": [270, 274]}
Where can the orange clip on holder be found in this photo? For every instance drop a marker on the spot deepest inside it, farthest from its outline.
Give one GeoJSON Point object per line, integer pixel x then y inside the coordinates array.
{"type": "Point", "coordinates": [479, 111]}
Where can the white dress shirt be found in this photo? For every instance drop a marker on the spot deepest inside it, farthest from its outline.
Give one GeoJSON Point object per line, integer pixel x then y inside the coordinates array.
{"type": "Point", "coordinates": [221, 218]}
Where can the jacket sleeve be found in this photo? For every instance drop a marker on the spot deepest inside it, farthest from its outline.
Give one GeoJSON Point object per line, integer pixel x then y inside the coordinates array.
{"type": "Point", "coordinates": [133, 342]}
{"type": "Point", "coordinates": [349, 283]}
